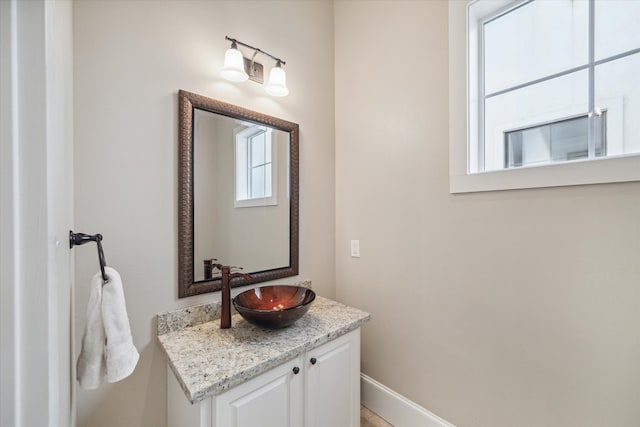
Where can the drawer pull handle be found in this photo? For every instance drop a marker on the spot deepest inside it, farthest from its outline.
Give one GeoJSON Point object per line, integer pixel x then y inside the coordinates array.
{"type": "Point", "coordinates": [296, 370]}
{"type": "Point", "coordinates": [313, 360]}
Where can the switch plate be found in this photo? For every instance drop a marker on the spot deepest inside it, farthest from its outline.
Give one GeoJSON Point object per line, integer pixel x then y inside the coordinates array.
{"type": "Point", "coordinates": [355, 249]}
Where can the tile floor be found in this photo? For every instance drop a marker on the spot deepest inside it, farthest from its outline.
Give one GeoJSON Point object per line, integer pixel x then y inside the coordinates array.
{"type": "Point", "coordinates": [370, 419]}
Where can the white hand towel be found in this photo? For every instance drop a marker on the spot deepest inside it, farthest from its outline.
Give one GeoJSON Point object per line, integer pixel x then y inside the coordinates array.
{"type": "Point", "coordinates": [121, 354]}
{"type": "Point", "coordinates": [107, 344]}
{"type": "Point", "coordinates": [91, 366]}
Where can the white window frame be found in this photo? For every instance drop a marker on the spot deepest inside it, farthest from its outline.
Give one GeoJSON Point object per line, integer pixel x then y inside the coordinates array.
{"type": "Point", "coordinates": [241, 136]}
{"type": "Point", "coordinates": [463, 87]}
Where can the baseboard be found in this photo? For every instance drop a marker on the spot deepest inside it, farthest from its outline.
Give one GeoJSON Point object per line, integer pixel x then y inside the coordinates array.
{"type": "Point", "coordinates": [395, 408]}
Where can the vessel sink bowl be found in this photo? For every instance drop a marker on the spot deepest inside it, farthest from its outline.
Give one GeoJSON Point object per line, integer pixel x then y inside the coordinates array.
{"type": "Point", "coordinates": [274, 307]}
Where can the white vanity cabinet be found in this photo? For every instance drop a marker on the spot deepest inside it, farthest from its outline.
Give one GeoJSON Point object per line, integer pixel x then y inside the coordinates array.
{"type": "Point", "coordinates": [273, 399]}
{"type": "Point", "coordinates": [332, 383]}
{"type": "Point", "coordinates": [319, 388]}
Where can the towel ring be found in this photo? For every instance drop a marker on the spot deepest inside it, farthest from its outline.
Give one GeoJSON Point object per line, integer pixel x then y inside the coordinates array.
{"type": "Point", "coordinates": [81, 239]}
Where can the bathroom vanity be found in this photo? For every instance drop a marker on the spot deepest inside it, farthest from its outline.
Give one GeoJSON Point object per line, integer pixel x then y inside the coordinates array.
{"type": "Point", "coordinates": [305, 375]}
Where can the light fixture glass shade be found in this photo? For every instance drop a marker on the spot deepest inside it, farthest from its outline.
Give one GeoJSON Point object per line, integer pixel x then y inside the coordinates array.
{"type": "Point", "coordinates": [234, 66]}
{"type": "Point", "coordinates": [277, 85]}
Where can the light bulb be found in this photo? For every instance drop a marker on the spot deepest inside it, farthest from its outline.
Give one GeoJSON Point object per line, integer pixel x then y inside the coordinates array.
{"type": "Point", "coordinates": [277, 85]}
{"type": "Point", "coordinates": [234, 65]}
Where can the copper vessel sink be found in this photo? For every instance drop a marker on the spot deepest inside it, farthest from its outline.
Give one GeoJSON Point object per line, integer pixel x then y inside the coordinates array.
{"type": "Point", "coordinates": [275, 306]}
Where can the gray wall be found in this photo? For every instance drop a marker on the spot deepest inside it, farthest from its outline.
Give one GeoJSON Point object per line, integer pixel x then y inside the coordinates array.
{"type": "Point", "coordinates": [516, 308]}
{"type": "Point", "coordinates": [131, 57]}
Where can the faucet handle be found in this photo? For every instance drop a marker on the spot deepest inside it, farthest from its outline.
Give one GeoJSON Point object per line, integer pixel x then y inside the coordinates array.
{"type": "Point", "coordinates": [237, 272]}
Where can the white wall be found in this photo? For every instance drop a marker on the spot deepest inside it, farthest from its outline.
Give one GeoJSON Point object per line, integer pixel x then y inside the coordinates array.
{"type": "Point", "coordinates": [515, 308]}
{"type": "Point", "coordinates": [36, 144]}
{"type": "Point", "coordinates": [130, 60]}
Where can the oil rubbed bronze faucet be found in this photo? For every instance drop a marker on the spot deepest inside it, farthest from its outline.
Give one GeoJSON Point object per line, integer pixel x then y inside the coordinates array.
{"type": "Point", "coordinates": [208, 268]}
{"type": "Point", "coordinates": [228, 273]}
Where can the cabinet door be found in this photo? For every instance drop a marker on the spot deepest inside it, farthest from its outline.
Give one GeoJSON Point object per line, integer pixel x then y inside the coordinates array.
{"type": "Point", "coordinates": [332, 389]}
{"type": "Point", "coordinates": [273, 399]}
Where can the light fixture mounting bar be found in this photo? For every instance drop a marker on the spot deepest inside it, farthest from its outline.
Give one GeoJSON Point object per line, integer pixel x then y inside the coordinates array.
{"type": "Point", "coordinates": [257, 50]}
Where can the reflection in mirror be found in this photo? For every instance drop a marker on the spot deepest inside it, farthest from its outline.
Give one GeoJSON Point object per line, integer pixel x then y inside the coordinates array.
{"type": "Point", "coordinates": [238, 194]}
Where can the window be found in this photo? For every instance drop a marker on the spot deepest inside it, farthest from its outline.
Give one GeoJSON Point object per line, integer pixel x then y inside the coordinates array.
{"type": "Point", "coordinates": [255, 167]}
{"type": "Point", "coordinates": [549, 83]}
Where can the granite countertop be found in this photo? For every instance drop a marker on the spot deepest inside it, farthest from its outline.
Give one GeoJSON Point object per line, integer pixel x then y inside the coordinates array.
{"type": "Point", "coordinates": [208, 360]}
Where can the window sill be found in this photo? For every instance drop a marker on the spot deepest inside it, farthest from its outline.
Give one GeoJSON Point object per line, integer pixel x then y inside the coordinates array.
{"type": "Point", "coordinates": [257, 202]}
{"type": "Point", "coordinates": [599, 171]}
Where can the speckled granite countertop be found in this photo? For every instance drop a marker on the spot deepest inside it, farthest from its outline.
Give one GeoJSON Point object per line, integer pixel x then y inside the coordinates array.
{"type": "Point", "coordinates": [208, 360]}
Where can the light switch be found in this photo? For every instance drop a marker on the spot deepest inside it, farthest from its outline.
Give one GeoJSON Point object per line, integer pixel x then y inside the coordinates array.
{"type": "Point", "coordinates": [355, 249]}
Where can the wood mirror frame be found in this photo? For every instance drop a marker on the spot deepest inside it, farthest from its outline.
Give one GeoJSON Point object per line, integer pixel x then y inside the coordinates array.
{"type": "Point", "coordinates": [187, 103]}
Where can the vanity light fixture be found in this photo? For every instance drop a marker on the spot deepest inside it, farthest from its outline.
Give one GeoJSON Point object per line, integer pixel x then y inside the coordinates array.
{"type": "Point", "coordinates": [237, 68]}
{"type": "Point", "coordinates": [234, 65]}
{"type": "Point", "coordinates": [277, 85]}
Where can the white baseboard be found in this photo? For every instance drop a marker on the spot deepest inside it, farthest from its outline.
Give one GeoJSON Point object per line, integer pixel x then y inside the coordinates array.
{"type": "Point", "coordinates": [395, 408]}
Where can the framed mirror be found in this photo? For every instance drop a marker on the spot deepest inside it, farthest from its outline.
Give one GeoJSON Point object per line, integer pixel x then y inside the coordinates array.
{"type": "Point", "coordinates": [237, 195]}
